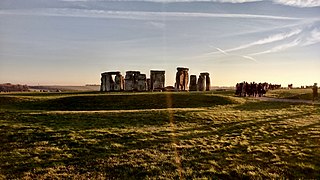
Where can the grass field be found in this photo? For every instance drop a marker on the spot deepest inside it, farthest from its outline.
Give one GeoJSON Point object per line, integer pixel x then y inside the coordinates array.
{"type": "Point", "coordinates": [301, 94]}
{"type": "Point", "coordinates": [156, 135]}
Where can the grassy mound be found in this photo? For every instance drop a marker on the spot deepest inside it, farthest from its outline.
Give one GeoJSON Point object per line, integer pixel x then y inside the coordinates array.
{"type": "Point", "coordinates": [116, 101]}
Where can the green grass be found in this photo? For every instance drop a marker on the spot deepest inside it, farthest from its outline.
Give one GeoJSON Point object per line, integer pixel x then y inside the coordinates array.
{"type": "Point", "coordinates": [99, 101]}
{"type": "Point", "coordinates": [156, 135]}
{"type": "Point", "coordinates": [301, 94]}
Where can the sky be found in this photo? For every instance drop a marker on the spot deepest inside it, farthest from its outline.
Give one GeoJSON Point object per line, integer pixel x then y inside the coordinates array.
{"type": "Point", "coordinates": [71, 42]}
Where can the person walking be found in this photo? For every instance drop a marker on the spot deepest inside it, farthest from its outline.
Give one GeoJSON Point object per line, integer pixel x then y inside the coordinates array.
{"type": "Point", "coordinates": [315, 91]}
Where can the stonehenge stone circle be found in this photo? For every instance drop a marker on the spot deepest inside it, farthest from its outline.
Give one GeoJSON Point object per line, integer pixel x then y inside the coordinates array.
{"type": "Point", "coordinates": [113, 81]}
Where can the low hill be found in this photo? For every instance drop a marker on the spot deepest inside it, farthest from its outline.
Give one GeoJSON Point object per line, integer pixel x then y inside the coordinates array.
{"type": "Point", "coordinates": [110, 101]}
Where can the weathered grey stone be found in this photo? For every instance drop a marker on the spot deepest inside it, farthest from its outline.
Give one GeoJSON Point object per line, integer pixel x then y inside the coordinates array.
{"type": "Point", "coordinates": [142, 82]}
{"type": "Point", "coordinates": [148, 84]}
{"type": "Point", "coordinates": [201, 83]}
{"type": "Point", "coordinates": [205, 82]}
{"type": "Point", "coordinates": [119, 83]}
{"type": "Point", "coordinates": [157, 80]}
{"type": "Point", "coordinates": [131, 80]}
{"type": "Point", "coordinates": [108, 84]}
{"type": "Point", "coordinates": [103, 82]}
{"type": "Point", "coordinates": [208, 84]}
{"type": "Point", "coordinates": [182, 78]}
{"type": "Point", "coordinates": [193, 83]}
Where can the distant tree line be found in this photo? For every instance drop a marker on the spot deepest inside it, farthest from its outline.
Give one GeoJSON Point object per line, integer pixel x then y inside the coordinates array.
{"type": "Point", "coordinates": [8, 87]}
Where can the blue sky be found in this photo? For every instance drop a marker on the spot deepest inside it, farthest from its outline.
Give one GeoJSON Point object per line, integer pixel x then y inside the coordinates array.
{"type": "Point", "coordinates": [70, 42]}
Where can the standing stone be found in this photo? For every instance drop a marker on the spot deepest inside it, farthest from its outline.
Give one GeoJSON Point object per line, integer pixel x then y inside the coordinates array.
{"type": "Point", "coordinates": [193, 83]}
{"type": "Point", "coordinates": [186, 80]}
{"type": "Point", "coordinates": [157, 80]}
{"type": "Point", "coordinates": [208, 84]}
{"type": "Point", "coordinates": [109, 84]}
{"type": "Point", "coordinates": [119, 82]}
{"type": "Point", "coordinates": [201, 82]}
{"type": "Point", "coordinates": [182, 78]}
{"type": "Point", "coordinates": [130, 81]}
{"type": "Point", "coordinates": [142, 82]}
{"type": "Point", "coordinates": [148, 84]}
{"type": "Point", "coordinates": [205, 82]}
{"type": "Point", "coordinates": [134, 81]}
{"type": "Point", "coordinates": [103, 82]}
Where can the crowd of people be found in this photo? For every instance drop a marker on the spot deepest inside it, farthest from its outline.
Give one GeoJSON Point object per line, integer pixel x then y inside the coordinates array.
{"type": "Point", "coordinates": [254, 89]}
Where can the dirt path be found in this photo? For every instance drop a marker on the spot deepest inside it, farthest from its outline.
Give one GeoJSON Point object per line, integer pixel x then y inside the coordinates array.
{"type": "Point", "coordinates": [288, 100]}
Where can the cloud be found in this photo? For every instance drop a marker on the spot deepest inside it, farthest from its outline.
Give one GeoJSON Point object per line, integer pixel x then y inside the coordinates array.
{"type": "Point", "coordinates": [276, 37]}
{"type": "Point", "coordinates": [296, 3]}
{"type": "Point", "coordinates": [75, 0]}
{"type": "Point", "coordinates": [170, 1]}
{"type": "Point", "coordinates": [142, 15]}
{"type": "Point", "coordinates": [313, 38]}
{"type": "Point", "coordinates": [281, 47]}
{"type": "Point", "coordinates": [299, 3]}
{"type": "Point", "coordinates": [269, 39]}
{"type": "Point", "coordinates": [158, 25]}
{"type": "Point", "coordinates": [237, 1]}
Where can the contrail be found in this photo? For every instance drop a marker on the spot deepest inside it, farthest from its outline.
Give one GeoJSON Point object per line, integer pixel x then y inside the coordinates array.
{"type": "Point", "coordinates": [222, 51]}
{"type": "Point", "coordinates": [242, 56]}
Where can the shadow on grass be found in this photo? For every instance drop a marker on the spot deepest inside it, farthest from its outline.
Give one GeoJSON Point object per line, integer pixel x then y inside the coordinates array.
{"type": "Point", "coordinates": [288, 151]}
{"type": "Point", "coordinates": [121, 151]}
{"type": "Point", "coordinates": [237, 127]}
{"type": "Point", "coordinates": [49, 141]}
{"type": "Point", "coordinates": [86, 121]}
